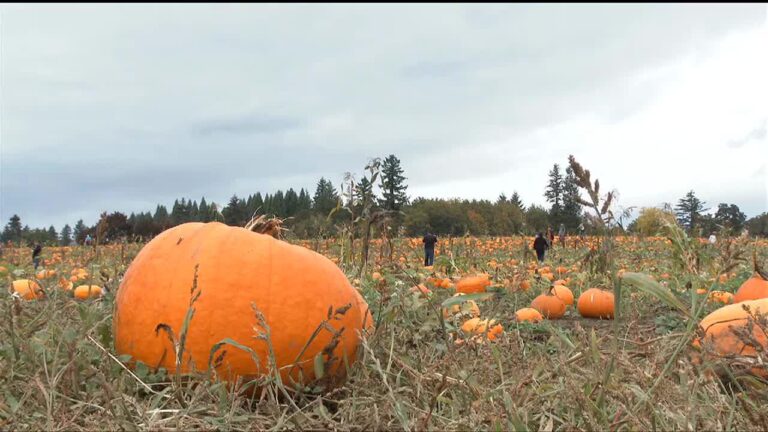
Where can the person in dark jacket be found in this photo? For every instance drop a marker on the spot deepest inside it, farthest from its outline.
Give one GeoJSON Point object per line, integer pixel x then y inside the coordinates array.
{"type": "Point", "coordinates": [429, 241]}
{"type": "Point", "coordinates": [540, 245]}
{"type": "Point", "coordinates": [36, 255]}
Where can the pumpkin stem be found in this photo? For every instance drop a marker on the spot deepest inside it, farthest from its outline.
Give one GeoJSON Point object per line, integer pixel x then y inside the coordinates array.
{"type": "Point", "coordinates": [263, 225]}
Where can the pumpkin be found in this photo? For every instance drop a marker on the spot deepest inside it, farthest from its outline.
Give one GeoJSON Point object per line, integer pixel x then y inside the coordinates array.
{"type": "Point", "coordinates": [421, 289]}
{"type": "Point", "coordinates": [596, 303]}
{"type": "Point", "coordinates": [718, 331]}
{"type": "Point", "coordinates": [28, 289]}
{"type": "Point", "coordinates": [296, 290]}
{"type": "Point", "coordinates": [468, 307]}
{"type": "Point", "coordinates": [551, 306]}
{"type": "Point", "coordinates": [525, 285]}
{"type": "Point", "coordinates": [476, 326]}
{"type": "Point", "coordinates": [754, 288]}
{"type": "Point", "coordinates": [472, 284]}
{"type": "Point", "coordinates": [528, 315]}
{"type": "Point", "coordinates": [563, 293]}
{"type": "Point", "coordinates": [45, 274]}
{"type": "Point", "coordinates": [721, 297]}
{"type": "Point", "coordinates": [87, 291]}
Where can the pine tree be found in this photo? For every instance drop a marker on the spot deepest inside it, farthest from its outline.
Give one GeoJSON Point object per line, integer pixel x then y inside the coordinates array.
{"type": "Point", "coordinates": [203, 212]}
{"type": "Point", "coordinates": [80, 231]}
{"type": "Point", "coordinates": [326, 197]}
{"type": "Point", "coordinates": [554, 194]}
{"type": "Point", "coordinates": [393, 187]}
{"type": "Point", "coordinates": [689, 210]}
{"type": "Point", "coordinates": [234, 212]}
{"type": "Point", "coordinates": [305, 201]}
{"type": "Point", "coordinates": [161, 217]}
{"type": "Point", "coordinates": [291, 205]}
{"type": "Point", "coordinates": [502, 199]}
{"type": "Point", "coordinates": [363, 193]}
{"type": "Point", "coordinates": [571, 215]}
{"type": "Point", "coordinates": [515, 199]}
{"type": "Point", "coordinates": [66, 235]}
{"type": "Point", "coordinates": [13, 230]}
{"type": "Point", "coordinates": [52, 237]}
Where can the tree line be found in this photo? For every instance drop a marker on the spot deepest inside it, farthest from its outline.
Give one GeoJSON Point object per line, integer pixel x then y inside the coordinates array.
{"type": "Point", "coordinates": [329, 210]}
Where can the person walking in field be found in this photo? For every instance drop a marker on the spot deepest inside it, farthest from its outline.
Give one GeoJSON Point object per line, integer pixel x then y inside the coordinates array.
{"type": "Point", "coordinates": [561, 234]}
{"type": "Point", "coordinates": [540, 245]}
{"type": "Point", "coordinates": [550, 236]}
{"type": "Point", "coordinates": [36, 255]}
{"type": "Point", "coordinates": [429, 241]}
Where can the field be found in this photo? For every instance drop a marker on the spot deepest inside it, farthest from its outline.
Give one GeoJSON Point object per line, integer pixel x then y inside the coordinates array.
{"type": "Point", "coordinates": [416, 371]}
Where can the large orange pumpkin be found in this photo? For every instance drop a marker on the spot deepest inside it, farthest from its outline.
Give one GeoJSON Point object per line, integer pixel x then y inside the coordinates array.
{"type": "Point", "coordinates": [596, 303]}
{"type": "Point", "coordinates": [472, 284]}
{"type": "Point", "coordinates": [753, 288]}
{"type": "Point", "coordinates": [295, 289]}
{"type": "Point", "coordinates": [28, 289]}
{"type": "Point", "coordinates": [551, 306]}
{"type": "Point", "coordinates": [718, 330]}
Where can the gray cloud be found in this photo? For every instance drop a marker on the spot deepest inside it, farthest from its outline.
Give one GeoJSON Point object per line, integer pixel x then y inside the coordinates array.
{"type": "Point", "coordinates": [125, 106]}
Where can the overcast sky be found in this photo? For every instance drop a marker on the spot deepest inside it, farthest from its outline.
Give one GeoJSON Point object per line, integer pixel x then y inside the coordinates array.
{"type": "Point", "coordinates": [121, 107]}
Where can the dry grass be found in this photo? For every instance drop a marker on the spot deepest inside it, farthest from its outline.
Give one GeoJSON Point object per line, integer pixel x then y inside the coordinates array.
{"type": "Point", "coordinates": [58, 372]}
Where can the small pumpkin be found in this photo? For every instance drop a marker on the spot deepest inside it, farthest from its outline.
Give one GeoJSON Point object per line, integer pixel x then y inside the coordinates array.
{"type": "Point", "coordinates": [563, 293]}
{"type": "Point", "coordinates": [549, 305]}
{"type": "Point", "coordinates": [596, 303]}
{"type": "Point", "coordinates": [84, 292]}
{"type": "Point", "coordinates": [421, 289]}
{"type": "Point", "coordinates": [721, 297]}
{"type": "Point", "coordinates": [473, 284]}
{"type": "Point", "coordinates": [755, 287]}
{"type": "Point", "coordinates": [468, 307]}
{"type": "Point", "coordinates": [528, 315]}
{"type": "Point", "coordinates": [28, 289]}
{"type": "Point", "coordinates": [478, 327]}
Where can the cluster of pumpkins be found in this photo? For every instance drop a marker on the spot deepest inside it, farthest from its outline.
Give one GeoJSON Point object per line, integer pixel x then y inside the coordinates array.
{"type": "Point", "coordinates": [720, 330]}
{"type": "Point", "coordinates": [29, 289]}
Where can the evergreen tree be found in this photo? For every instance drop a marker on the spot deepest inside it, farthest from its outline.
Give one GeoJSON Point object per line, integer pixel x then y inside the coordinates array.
{"type": "Point", "coordinates": [515, 199]}
{"type": "Point", "coordinates": [52, 236]}
{"type": "Point", "coordinates": [326, 197]}
{"type": "Point", "coordinates": [502, 199]}
{"type": "Point", "coordinates": [571, 215]}
{"type": "Point", "coordinates": [689, 210]}
{"type": "Point", "coordinates": [258, 203]}
{"type": "Point", "coordinates": [13, 230]}
{"type": "Point", "coordinates": [278, 204]}
{"type": "Point", "coordinates": [291, 206]}
{"type": "Point", "coordinates": [66, 235]}
{"type": "Point", "coordinates": [80, 231]}
{"type": "Point", "coordinates": [234, 212]}
{"type": "Point", "coordinates": [363, 193]}
{"type": "Point", "coordinates": [193, 211]}
{"type": "Point", "coordinates": [305, 201]}
{"type": "Point", "coordinates": [554, 194]}
{"type": "Point", "coordinates": [161, 217]}
{"type": "Point", "coordinates": [393, 187]}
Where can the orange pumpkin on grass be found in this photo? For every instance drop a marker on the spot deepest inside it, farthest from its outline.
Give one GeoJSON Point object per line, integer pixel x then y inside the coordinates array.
{"type": "Point", "coordinates": [596, 303]}
{"type": "Point", "coordinates": [295, 289]}
{"type": "Point", "coordinates": [472, 284]}
{"type": "Point", "coordinates": [549, 305]}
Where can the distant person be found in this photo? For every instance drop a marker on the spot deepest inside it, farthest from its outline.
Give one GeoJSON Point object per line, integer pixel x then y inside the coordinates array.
{"type": "Point", "coordinates": [429, 241]}
{"type": "Point", "coordinates": [712, 239]}
{"type": "Point", "coordinates": [561, 234]}
{"type": "Point", "coordinates": [36, 255]}
{"type": "Point", "coordinates": [540, 245]}
{"type": "Point", "coordinates": [581, 233]}
{"type": "Point", "coordinates": [550, 236]}
{"type": "Point", "coordinates": [88, 240]}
